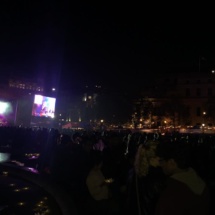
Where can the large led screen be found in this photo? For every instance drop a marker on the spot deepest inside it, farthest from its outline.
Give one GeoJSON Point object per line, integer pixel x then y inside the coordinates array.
{"type": "Point", "coordinates": [43, 106]}
{"type": "Point", "coordinates": [6, 112]}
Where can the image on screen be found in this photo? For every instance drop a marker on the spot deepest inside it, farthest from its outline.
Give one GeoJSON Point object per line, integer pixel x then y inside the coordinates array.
{"type": "Point", "coordinates": [43, 106]}
{"type": "Point", "coordinates": [6, 112]}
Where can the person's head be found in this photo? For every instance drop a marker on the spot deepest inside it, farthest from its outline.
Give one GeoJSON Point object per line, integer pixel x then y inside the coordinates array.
{"type": "Point", "coordinates": [146, 158]}
{"type": "Point", "coordinates": [174, 156]}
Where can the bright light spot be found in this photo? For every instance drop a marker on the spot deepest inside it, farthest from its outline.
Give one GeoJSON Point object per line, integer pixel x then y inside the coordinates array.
{"type": "Point", "coordinates": [38, 99]}
{"type": "Point", "coordinates": [53, 89]}
{"type": "Point", "coordinates": [5, 173]}
{"type": "Point", "coordinates": [3, 107]}
{"type": "Point", "coordinates": [21, 203]}
{"type": "Point", "coordinates": [4, 157]}
{"type": "Point", "coordinates": [32, 170]}
{"type": "Point", "coordinates": [26, 188]}
{"type": "Point", "coordinates": [213, 71]}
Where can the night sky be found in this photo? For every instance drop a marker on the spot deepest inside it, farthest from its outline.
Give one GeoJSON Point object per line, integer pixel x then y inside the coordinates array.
{"type": "Point", "coordinates": [123, 46]}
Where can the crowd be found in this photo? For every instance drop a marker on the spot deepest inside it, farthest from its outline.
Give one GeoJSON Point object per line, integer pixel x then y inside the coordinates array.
{"type": "Point", "coordinates": [123, 172]}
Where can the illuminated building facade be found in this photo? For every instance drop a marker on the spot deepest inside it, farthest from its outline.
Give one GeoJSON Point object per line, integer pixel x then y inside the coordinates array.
{"type": "Point", "coordinates": [26, 85]}
{"type": "Point", "coordinates": [177, 100]}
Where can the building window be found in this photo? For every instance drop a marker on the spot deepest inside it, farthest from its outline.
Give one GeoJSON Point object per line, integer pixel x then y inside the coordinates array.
{"type": "Point", "coordinates": [198, 111]}
{"type": "Point", "coordinates": [187, 92]}
{"type": "Point", "coordinates": [198, 92]}
{"type": "Point", "coordinates": [21, 86]}
{"type": "Point", "coordinates": [210, 92]}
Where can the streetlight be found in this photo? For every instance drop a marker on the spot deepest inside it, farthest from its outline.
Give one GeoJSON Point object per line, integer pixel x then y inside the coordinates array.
{"type": "Point", "coordinates": [203, 124]}
{"type": "Point", "coordinates": [165, 122]}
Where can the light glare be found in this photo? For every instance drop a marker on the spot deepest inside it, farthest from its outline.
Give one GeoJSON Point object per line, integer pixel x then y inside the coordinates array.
{"type": "Point", "coordinates": [3, 107]}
